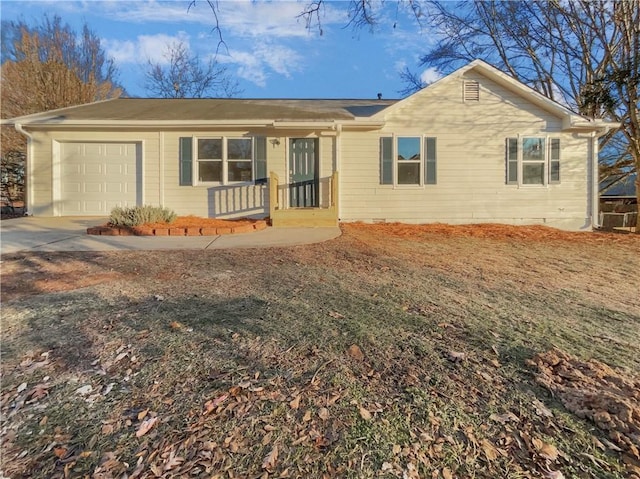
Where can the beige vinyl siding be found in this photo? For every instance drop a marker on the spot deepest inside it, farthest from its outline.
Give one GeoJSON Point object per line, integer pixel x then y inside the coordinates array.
{"type": "Point", "coordinates": [471, 185]}
{"type": "Point", "coordinates": [225, 201]}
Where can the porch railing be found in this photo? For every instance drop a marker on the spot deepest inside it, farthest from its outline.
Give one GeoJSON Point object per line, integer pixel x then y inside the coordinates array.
{"type": "Point", "coordinates": [280, 205]}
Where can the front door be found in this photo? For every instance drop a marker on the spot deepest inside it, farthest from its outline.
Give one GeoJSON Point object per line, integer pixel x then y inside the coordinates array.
{"type": "Point", "coordinates": [303, 172]}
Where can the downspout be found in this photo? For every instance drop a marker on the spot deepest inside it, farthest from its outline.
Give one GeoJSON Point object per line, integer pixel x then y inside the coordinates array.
{"type": "Point", "coordinates": [28, 196]}
{"type": "Point", "coordinates": [595, 184]}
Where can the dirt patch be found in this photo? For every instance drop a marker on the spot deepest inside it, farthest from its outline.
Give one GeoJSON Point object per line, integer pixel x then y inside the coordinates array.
{"type": "Point", "coordinates": [31, 276]}
{"type": "Point", "coordinates": [196, 221]}
{"type": "Point", "coordinates": [593, 390]}
{"type": "Point", "coordinates": [494, 231]}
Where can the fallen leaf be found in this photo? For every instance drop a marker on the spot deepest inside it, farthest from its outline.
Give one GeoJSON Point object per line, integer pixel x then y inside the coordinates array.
{"type": "Point", "coordinates": [107, 429]}
{"type": "Point", "coordinates": [365, 414]}
{"type": "Point", "coordinates": [335, 314]}
{"type": "Point", "coordinates": [142, 414]}
{"type": "Point", "coordinates": [270, 460]}
{"type": "Point", "coordinates": [545, 450]}
{"type": "Point", "coordinates": [38, 392]}
{"type": "Point", "coordinates": [307, 416]}
{"type": "Point", "coordinates": [146, 426]}
{"type": "Point", "coordinates": [541, 409]}
{"type": "Point", "coordinates": [213, 404]}
{"type": "Point", "coordinates": [176, 325]}
{"type": "Point", "coordinates": [490, 452]}
{"type": "Point", "coordinates": [554, 475]}
{"type": "Point", "coordinates": [504, 418]}
{"type": "Point", "coordinates": [323, 413]}
{"type": "Point", "coordinates": [60, 452]}
{"type": "Point", "coordinates": [84, 390]}
{"type": "Point", "coordinates": [455, 356]}
{"type": "Point", "coordinates": [355, 352]}
{"type": "Point", "coordinates": [446, 473]}
{"type": "Point", "coordinates": [173, 461]}
{"type": "Point", "coordinates": [295, 403]}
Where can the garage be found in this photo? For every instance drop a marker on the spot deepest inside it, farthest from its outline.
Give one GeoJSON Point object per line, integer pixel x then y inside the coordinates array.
{"type": "Point", "coordinates": [95, 177]}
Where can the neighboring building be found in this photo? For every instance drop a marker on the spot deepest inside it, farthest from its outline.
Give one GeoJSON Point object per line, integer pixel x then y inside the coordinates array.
{"type": "Point", "coordinates": [476, 146]}
{"type": "Point", "coordinates": [618, 201]}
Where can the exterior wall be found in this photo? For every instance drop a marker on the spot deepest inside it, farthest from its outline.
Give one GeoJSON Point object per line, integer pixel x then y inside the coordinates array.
{"type": "Point", "coordinates": [471, 186]}
{"type": "Point", "coordinates": [160, 175]}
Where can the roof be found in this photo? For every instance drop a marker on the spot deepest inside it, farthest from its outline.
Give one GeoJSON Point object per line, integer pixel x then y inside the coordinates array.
{"type": "Point", "coordinates": [210, 109]}
{"type": "Point", "coordinates": [619, 186]}
{"type": "Point", "coordinates": [278, 113]}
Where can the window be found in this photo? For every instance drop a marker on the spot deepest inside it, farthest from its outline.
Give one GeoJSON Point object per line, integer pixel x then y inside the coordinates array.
{"type": "Point", "coordinates": [222, 160]}
{"type": "Point", "coordinates": [532, 161]}
{"type": "Point", "coordinates": [209, 159]}
{"type": "Point", "coordinates": [239, 159]}
{"type": "Point", "coordinates": [407, 160]}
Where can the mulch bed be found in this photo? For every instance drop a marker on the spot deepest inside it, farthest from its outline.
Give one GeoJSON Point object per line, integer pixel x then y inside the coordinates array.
{"type": "Point", "coordinates": [182, 226]}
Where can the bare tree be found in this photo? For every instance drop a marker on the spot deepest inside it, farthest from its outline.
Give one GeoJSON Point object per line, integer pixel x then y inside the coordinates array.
{"type": "Point", "coordinates": [185, 76]}
{"type": "Point", "coordinates": [44, 67]}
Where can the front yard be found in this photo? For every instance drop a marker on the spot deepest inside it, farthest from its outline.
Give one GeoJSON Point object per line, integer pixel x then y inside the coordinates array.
{"type": "Point", "coordinates": [413, 352]}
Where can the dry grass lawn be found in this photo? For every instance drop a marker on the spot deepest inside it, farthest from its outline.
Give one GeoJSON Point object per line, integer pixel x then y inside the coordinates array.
{"type": "Point", "coordinates": [392, 351]}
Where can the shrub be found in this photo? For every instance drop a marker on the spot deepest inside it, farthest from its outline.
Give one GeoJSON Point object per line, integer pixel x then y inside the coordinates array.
{"type": "Point", "coordinates": [139, 215]}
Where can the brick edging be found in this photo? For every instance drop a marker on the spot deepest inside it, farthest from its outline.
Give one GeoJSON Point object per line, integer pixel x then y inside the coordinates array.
{"type": "Point", "coordinates": [168, 231]}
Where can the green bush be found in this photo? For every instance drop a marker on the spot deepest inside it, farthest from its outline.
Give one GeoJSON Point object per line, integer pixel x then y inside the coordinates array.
{"type": "Point", "coordinates": [139, 215]}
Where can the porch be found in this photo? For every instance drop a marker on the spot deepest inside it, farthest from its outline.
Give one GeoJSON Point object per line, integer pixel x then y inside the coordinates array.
{"type": "Point", "coordinates": [305, 203]}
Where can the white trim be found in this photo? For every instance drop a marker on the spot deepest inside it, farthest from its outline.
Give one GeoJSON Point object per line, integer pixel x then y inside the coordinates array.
{"type": "Point", "coordinates": [161, 178]}
{"type": "Point", "coordinates": [338, 160]}
{"type": "Point", "coordinates": [28, 197]}
{"type": "Point", "coordinates": [224, 180]}
{"type": "Point", "coordinates": [143, 175]}
{"type": "Point", "coordinates": [56, 180]}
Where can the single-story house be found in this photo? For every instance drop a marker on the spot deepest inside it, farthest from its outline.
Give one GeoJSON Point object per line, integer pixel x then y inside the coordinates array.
{"type": "Point", "coordinates": [476, 146]}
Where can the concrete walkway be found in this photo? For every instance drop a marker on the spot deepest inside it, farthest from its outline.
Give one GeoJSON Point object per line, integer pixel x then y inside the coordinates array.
{"type": "Point", "coordinates": [70, 234]}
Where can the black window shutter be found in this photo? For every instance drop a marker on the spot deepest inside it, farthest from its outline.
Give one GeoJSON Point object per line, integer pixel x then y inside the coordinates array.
{"type": "Point", "coordinates": [430, 176]}
{"type": "Point", "coordinates": [186, 161]}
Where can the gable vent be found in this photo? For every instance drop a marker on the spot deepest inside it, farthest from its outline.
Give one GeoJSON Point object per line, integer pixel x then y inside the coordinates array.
{"type": "Point", "coordinates": [471, 91]}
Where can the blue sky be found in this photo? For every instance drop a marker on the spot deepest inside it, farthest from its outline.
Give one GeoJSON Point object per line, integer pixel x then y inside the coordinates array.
{"type": "Point", "coordinates": [269, 50]}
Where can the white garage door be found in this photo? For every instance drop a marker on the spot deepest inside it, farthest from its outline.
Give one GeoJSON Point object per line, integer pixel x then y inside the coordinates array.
{"type": "Point", "coordinates": [95, 177]}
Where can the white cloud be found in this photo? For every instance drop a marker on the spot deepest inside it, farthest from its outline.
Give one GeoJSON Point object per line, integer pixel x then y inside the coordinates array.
{"type": "Point", "coordinates": [430, 75]}
{"type": "Point", "coordinates": [145, 47]}
{"type": "Point", "coordinates": [257, 65]}
{"type": "Point", "coordinates": [273, 19]}
{"type": "Point", "coordinates": [242, 18]}
{"type": "Point", "coordinates": [154, 11]}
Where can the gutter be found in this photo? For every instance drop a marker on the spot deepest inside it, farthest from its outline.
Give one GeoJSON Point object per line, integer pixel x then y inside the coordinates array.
{"type": "Point", "coordinates": [52, 124]}
{"type": "Point", "coordinates": [28, 173]}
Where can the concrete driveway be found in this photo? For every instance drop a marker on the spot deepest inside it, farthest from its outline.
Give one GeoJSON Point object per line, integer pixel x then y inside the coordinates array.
{"type": "Point", "coordinates": [70, 234]}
